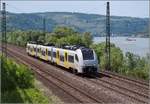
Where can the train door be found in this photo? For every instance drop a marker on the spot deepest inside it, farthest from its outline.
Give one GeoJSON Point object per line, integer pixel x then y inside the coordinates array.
{"type": "Point", "coordinates": [46, 55]}
{"type": "Point", "coordinates": [52, 55]}
{"type": "Point", "coordinates": [76, 61]}
{"type": "Point", "coordinates": [36, 52]}
{"type": "Point", "coordinates": [57, 57]}
{"type": "Point", "coordinates": [32, 50]}
{"type": "Point", "coordinates": [40, 52]}
{"type": "Point", "coordinates": [66, 60]}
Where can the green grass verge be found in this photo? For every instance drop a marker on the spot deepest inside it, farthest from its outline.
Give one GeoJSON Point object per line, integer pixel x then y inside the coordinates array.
{"type": "Point", "coordinates": [29, 95]}
{"type": "Point", "coordinates": [17, 84]}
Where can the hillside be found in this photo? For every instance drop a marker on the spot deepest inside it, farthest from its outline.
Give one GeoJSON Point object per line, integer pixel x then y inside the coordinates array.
{"type": "Point", "coordinates": [120, 26]}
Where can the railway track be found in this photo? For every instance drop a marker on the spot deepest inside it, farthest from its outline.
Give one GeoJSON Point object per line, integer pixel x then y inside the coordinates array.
{"type": "Point", "coordinates": [142, 96]}
{"type": "Point", "coordinates": [140, 83]}
{"type": "Point", "coordinates": [121, 90]}
{"type": "Point", "coordinates": [84, 96]}
{"type": "Point", "coordinates": [143, 86]}
{"type": "Point", "coordinates": [125, 79]}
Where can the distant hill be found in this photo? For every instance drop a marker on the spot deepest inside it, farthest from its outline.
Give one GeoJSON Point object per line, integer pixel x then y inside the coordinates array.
{"type": "Point", "coordinates": [120, 26]}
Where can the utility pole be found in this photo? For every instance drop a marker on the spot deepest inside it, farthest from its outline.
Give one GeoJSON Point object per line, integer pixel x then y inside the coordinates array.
{"type": "Point", "coordinates": [44, 27]}
{"type": "Point", "coordinates": [3, 26]}
{"type": "Point", "coordinates": [107, 50]}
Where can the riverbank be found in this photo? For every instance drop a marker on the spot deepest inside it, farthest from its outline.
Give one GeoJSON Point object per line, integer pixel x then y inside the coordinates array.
{"type": "Point", "coordinates": [139, 46]}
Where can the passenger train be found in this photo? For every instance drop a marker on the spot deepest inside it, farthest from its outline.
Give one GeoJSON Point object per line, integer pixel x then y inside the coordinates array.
{"type": "Point", "coordinates": [77, 58]}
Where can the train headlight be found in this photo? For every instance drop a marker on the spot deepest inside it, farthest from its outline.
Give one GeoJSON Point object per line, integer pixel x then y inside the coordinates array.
{"type": "Point", "coordinates": [94, 64]}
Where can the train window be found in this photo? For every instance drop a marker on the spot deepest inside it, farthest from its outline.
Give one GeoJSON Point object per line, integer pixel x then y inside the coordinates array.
{"type": "Point", "coordinates": [38, 50]}
{"type": "Point", "coordinates": [49, 53]}
{"type": "Point", "coordinates": [43, 53]}
{"type": "Point", "coordinates": [76, 57]}
{"type": "Point", "coordinates": [34, 49]}
{"type": "Point", "coordinates": [71, 58]}
{"type": "Point", "coordinates": [54, 54]}
{"type": "Point", "coordinates": [87, 54]}
{"type": "Point", "coordinates": [61, 58]}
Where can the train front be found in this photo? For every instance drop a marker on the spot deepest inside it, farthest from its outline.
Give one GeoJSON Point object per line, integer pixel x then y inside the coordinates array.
{"type": "Point", "coordinates": [88, 61]}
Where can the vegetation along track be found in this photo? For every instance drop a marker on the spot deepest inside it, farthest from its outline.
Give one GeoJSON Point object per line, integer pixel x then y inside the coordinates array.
{"type": "Point", "coordinates": [77, 93]}
{"type": "Point", "coordinates": [102, 83]}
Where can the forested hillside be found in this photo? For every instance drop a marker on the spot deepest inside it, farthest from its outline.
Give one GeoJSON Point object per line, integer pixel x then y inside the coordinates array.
{"type": "Point", "coordinates": [120, 26]}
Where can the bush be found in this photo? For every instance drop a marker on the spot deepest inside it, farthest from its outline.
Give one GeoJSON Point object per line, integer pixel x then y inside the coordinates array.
{"type": "Point", "coordinates": [24, 77]}
{"type": "Point", "coordinates": [15, 75]}
{"type": "Point", "coordinates": [136, 66]}
{"type": "Point", "coordinates": [116, 56]}
{"type": "Point", "coordinates": [17, 84]}
{"type": "Point", "coordinates": [7, 82]}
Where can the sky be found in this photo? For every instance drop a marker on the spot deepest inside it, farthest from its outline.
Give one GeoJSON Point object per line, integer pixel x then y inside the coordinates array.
{"type": "Point", "coordinates": [118, 8]}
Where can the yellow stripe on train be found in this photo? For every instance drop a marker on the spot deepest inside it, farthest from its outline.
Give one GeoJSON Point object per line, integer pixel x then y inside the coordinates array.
{"type": "Point", "coordinates": [57, 56]}
{"type": "Point", "coordinates": [66, 59]}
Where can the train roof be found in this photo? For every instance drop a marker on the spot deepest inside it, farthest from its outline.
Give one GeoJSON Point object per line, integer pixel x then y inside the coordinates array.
{"type": "Point", "coordinates": [36, 42]}
{"type": "Point", "coordinates": [74, 47]}
{"type": "Point", "coordinates": [31, 42]}
{"type": "Point", "coordinates": [69, 47]}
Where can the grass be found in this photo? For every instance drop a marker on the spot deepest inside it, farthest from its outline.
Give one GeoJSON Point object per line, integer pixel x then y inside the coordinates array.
{"type": "Point", "coordinates": [30, 95]}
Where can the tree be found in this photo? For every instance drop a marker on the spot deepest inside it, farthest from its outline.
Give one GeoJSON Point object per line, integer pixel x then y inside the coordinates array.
{"type": "Point", "coordinates": [64, 35]}
{"type": "Point", "coordinates": [41, 38]}
{"type": "Point", "coordinates": [130, 60]}
{"type": "Point", "coordinates": [116, 56]}
{"type": "Point", "coordinates": [62, 31]}
{"type": "Point", "coordinates": [87, 39]}
{"type": "Point", "coordinates": [74, 39]}
{"type": "Point", "coordinates": [61, 41]}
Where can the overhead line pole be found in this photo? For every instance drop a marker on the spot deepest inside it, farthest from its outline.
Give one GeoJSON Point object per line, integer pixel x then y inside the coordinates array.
{"type": "Point", "coordinates": [3, 26]}
{"type": "Point", "coordinates": [107, 50]}
{"type": "Point", "coordinates": [44, 27]}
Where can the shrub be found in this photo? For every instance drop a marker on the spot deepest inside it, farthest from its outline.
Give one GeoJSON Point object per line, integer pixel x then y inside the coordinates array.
{"type": "Point", "coordinates": [24, 77]}
{"type": "Point", "coordinates": [15, 75]}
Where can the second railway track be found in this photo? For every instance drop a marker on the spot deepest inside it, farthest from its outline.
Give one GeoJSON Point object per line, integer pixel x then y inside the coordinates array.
{"type": "Point", "coordinates": [141, 97]}
{"type": "Point", "coordinates": [125, 79]}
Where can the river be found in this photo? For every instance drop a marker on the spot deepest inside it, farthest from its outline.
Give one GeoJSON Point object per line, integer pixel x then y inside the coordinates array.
{"type": "Point", "coordinates": [139, 46]}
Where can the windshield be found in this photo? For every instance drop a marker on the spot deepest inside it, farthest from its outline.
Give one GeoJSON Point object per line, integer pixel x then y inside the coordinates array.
{"type": "Point", "coordinates": [87, 54]}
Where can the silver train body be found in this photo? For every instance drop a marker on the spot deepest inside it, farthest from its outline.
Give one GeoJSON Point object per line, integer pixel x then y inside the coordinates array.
{"type": "Point", "coordinates": [78, 59]}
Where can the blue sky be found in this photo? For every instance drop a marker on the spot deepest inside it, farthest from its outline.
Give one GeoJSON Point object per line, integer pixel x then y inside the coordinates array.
{"type": "Point", "coordinates": [119, 8]}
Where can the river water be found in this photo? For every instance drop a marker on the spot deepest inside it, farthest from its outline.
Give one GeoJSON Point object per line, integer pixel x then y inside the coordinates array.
{"type": "Point", "coordinates": [139, 46]}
